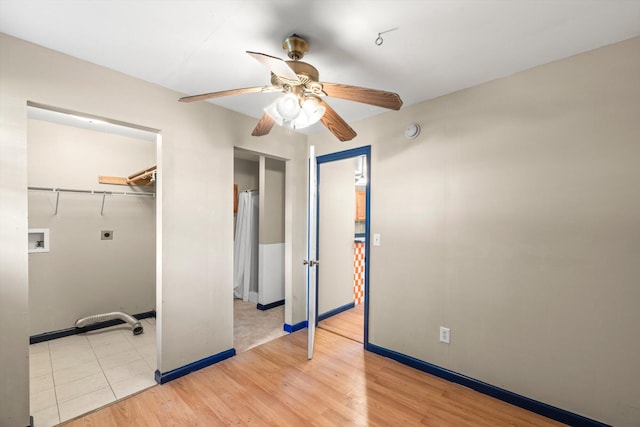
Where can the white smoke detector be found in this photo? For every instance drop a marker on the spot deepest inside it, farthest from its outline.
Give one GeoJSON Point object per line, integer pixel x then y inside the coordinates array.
{"type": "Point", "coordinates": [412, 131]}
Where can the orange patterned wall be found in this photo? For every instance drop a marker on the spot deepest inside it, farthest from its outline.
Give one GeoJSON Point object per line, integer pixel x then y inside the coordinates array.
{"type": "Point", "coordinates": [358, 275]}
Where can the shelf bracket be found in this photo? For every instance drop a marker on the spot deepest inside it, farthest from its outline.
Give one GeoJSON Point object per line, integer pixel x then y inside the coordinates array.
{"type": "Point", "coordinates": [57, 202]}
{"type": "Point", "coordinates": [102, 208]}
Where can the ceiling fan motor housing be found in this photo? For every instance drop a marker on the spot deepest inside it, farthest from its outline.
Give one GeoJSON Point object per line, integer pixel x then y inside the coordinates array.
{"type": "Point", "coordinates": [306, 73]}
{"type": "Point", "coordinates": [295, 46]}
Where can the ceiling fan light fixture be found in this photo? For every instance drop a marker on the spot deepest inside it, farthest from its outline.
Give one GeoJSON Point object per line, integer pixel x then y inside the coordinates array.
{"type": "Point", "coordinates": [313, 109]}
{"type": "Point", "coordinates": [288, 107]}
{"type": "Point", "coordinates": [290, 111]}
{"type": "Point", "coordinates": [273, 112]}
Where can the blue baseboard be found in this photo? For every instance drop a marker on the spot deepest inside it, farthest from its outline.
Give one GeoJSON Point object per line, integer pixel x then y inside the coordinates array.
{"type": "Point", "coordinates": [270, 306]}
{"type": "Point", "coordinates": [304, 324]}
{"type": "Point", "coordinates": [505, 395]}
{"type": "Point", "coordinates": [296, 327]}
{"type": "Point", "coordinates": [336, 311]}
{"type": "Point", "coordinates": [47, 336]}
{"type": "Point", "coordinates": [165, 377]}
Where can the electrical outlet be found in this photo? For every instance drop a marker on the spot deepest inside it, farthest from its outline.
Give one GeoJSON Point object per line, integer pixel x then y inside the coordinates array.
{"type": "Point", "coordinates": [445, 335]}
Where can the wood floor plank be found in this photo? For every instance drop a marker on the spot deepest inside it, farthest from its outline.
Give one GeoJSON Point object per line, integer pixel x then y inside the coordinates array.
{"type": "Point", "coordinates": [275, 385]}
{"type": "Point", "coordinates": [349, 323]}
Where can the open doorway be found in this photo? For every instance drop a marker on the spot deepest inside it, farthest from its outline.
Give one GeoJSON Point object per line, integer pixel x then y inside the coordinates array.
{"type": "Point", "coordinates": [343, 230]}
{"type": "Point", "coordinates": [259, 248]}
{"type": "Point", "coordinates": [93, 252]}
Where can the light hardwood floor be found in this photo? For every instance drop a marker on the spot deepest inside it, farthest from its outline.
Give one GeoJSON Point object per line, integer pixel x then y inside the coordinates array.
{"type": "Point", "coordinates": [349, 323]}
{"type": "Point", "coordinates": [275, 385]}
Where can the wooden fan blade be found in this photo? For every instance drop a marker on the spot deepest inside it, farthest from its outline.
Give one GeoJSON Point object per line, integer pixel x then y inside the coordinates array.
{"type": "Point", "coordinates": [336, 124]}
{"type": "Point", "coordinates": [225, 93]}
{"type": "Point", "coordinates": [365, 95]}
{"type": "Point", "coordinates": [264, 125]}
{"type": "Point", "coordinates": [276, 65]}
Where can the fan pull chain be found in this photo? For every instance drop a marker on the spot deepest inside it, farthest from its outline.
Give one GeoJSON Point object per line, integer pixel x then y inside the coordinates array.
{"type": "Point", "coordinates": [379, 40]}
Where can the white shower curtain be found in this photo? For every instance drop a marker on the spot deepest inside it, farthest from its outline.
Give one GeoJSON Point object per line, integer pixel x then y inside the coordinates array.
{"type": "Point", "coordinates": [245, 268]}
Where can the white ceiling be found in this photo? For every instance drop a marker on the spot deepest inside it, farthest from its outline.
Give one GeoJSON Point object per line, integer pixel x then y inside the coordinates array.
{"type": "Point", "coordinates": [439, 47]}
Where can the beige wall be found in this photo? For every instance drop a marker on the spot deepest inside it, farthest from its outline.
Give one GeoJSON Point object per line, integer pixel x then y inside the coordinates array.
{"type": "Point", "coordinates": [245, 174]}
{"type": "Point", "coordinates": [272, 219]}
{"type": "Point", "coordinates": [82, 274]}
{"type": "Point", "coordinates": [195, 231]}
{"type": "Point", "coordinates": [336, 229]}
{"type": "Point", "coordinates": [514, 220]}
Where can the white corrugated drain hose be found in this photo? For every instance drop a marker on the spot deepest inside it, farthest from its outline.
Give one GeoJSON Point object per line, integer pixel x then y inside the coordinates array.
{"type": "Point", "coordinates": [136, 326]}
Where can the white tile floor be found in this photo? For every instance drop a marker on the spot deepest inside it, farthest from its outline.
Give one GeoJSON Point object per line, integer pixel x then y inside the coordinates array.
{"type": "Point", "coordinates": [74, 375]}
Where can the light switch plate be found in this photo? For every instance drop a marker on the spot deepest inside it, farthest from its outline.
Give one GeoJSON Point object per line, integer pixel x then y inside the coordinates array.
{"type": "Point", "coordinates": [376, 240]}
{"type": "Point", "coordinates": [445, 335]}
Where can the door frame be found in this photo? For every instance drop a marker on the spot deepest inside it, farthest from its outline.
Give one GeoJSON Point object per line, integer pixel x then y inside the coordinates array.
{"type": "Point", "coordinates": [332, 157]}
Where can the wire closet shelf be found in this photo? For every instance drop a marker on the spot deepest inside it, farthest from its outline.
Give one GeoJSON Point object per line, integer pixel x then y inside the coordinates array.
{"type": "Point", "coordinates": [102, 193]}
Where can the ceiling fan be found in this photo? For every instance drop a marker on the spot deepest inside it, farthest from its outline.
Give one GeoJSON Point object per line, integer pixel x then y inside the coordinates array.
{"type": "Point", "coordinates": [302, 104]}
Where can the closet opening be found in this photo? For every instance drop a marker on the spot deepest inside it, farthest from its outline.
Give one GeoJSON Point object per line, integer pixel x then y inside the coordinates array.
{"type": "Point", "coordinates": [98, 264]}
{"type": "Point", "coordinates": [259, 248]}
